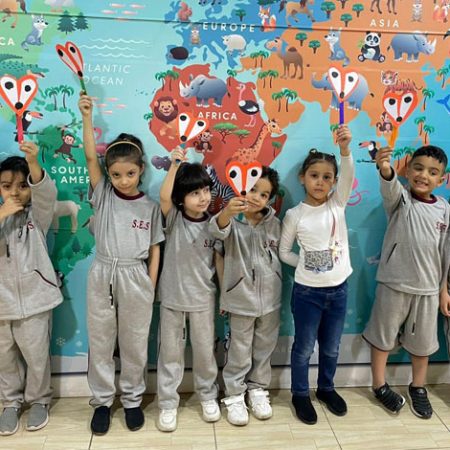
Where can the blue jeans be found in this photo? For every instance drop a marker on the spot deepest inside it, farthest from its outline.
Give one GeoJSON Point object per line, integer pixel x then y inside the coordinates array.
{"type": "Point", "coordinates": [319, 314]}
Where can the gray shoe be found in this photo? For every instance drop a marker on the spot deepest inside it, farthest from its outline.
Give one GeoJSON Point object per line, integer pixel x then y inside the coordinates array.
{"type": "Point", "coordinates": [37, 417]}
{"type": "Point", "coordinates": [9, 421]}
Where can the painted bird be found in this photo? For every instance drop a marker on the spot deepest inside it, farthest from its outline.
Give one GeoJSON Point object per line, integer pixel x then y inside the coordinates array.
{"type": "Point", "coordinates": [27, 118]}
{"type": "Point", "coordinates": [249, 107]}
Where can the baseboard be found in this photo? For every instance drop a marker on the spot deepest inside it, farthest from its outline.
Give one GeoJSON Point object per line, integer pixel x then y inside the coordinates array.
{"type": "Point", "coordinates": [75, 385]}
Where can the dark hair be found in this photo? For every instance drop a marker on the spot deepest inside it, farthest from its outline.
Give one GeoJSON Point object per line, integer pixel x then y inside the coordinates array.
{"type": "Point", "coordinates": [125, 146]}
{"type": "Point", "coordinates": [15, 164]}
{"type": "Point", "coordinates": [271, 175]}
{"type": "Point", "coordinates": [189, 177]}
{"type": "Point", "coordinates": [432, 151]}
{"type": "Point", "coordinates": [314, 156]}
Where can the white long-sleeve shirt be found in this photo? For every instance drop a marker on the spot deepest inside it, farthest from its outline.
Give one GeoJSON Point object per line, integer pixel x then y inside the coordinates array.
{"type": "Point", "coordinates": [321, 233]}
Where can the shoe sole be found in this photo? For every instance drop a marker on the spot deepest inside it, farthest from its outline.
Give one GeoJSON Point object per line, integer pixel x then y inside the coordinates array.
{"type": "Point", "coordinates": [166, 429]}
{"type": "Point", "coordinates": [414, 411]}
{"type": "Point", "coordinates": [393, 413]}
{"type": "Point", "coordinates": [212, 419]}
{"type": "Point", "coordinates": [238, 424]}
{"type": "Point", "coordinates": [9, 433]}
{"type": "Point", "coordinates": [37, 427]}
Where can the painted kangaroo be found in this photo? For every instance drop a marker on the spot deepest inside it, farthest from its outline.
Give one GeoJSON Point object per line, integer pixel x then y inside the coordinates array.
{"type": "Point", "coordinates": [247, 155]}
{"type": "Point", "coordinates": [294, 8]}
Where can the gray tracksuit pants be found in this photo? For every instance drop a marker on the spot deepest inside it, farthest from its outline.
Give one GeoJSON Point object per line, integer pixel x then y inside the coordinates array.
{"type": "Point", "coordinates": [25, 360]}
{"type": "Point", "coordinates": [171, 355]}
{"type": "Point", "coordinates": [252, 342]}
{"type": "Point", "coordinates": [127, 319]}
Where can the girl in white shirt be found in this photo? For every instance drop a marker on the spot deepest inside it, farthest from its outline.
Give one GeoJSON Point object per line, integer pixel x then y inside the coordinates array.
{"type": "Point", "coordinates": [319, 296]}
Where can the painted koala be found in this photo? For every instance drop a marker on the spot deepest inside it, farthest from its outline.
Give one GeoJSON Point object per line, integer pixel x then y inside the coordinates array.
{"type": "Point", "coordinates": [371, 48]}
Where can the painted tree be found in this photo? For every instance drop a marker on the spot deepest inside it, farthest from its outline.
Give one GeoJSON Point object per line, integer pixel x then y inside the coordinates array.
{"type": "Point", "coordinates": [76, 247]}
{"type": "Point", "coordinates": [263, 54]}
{"type": "Point", "coordinates": [262, 76]}
{"type": "Point", "coordinates": [231, 74]}
{"type": "Point", "coordinates": [427, 93]}
{"type": "Point", "coordinates": [343, 2]}
{"type": "Point", "coordinates": [255, 56]}
{"type": "Point", "coordinates": [80, 192]}
{"type": "Point", "coordinates": [420, 121]}
{"type": "Point", "coordinates": [81, 22]}
{"type": "Point", "coordinates": [66, 91]}
{"type": "Point", "coordinates": [225, 129]}
{"type": "Point", "coordinates": [172, 75]}
{"type": "Point", "coordinates": [301, 37]}
{"type": "Point", "coordinates": [346, 18]}
{"type": "Point", "coordinates": [358, 8]}
{"type": "Point", "coordinates": [314, 44]}
{"type": "Point", "coordinates": [52, 91]}
{"type": "Point", "coordinates": [277, 96]}
{"type": "Point", "coordinates": [289, 95]}
{"type": "Point", "coordinates": [397, 154]}
{"type": "Point", "coordinates": [443, 72]}
{"type": "Point", "coordinates": [65, 23]}
{"type": "Point", "coordinates": [148, 116]}
{"type": "Point", "coordinates": [334, 127]}
{"type": "Point", "coordinates": [276, 148]}
{"type": "Point", "coordinates": [428, 129]}
{"type": "Point", "coordinates": [241, 134]}
{"type": "Point", "coordinates": [240, 13]}
{"type": "Point", "coordinates": [86, 250]}
{"type": "Point", "coordinates": [328, 8]}
{"type": "Point", "coordinates": [408, 152]}
{"type": "Point", "coordinates": [160, 76]}
{"type": "Point", "coordinates": [272, 74]}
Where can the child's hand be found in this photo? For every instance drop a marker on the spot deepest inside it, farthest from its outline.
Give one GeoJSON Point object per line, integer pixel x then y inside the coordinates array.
{"type": "Point", "coordinates": [236, 206]}
{"type": "Point", "coordinates": [31, 151]}
{"type": "Point", "coordinates": [85, 104]}
{"type": "Point", "coordinates": [444, 302]}
{"type": "Point", "coordinates": [343, 137]}
{"type": "Point", "coordinates": [178, 155]}
{"type": "Point", "coordinates": [383, 160]}
{"type": "Point", "coordinates": [10, 207]}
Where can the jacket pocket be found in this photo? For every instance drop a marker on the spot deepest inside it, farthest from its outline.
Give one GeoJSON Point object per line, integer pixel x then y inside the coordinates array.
{"type": "Point", "coordinates": [39, 292]}
{"type": "Point", "coordinates": [45, 280]}
{"type": "Point", "coordinates": [390, 253]}
{"type": "Point", "coordinates": [235, 285]}
{"type": "Point", "coordinates": [397, 265]}
{"type": "Point", "coordinates": [9, 302]}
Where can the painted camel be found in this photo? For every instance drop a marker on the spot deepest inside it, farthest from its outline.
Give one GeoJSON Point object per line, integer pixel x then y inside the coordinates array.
{"type": "Point", "coordinates": [290, 56]}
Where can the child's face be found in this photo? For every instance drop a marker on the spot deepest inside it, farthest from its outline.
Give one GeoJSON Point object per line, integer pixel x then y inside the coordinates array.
{"type": "Point", "coordinates": [125, 177]}
{"type": "Point", "coordinates": [197, 202]}
{"type": "Point", "coordinates": [14, 184]}
{"type": "Point", "coordinates": [424, 174]}
{"type": "Point", "coordinates": [318, 180]}
{"type": "Point", "coordinates": [259, 196]}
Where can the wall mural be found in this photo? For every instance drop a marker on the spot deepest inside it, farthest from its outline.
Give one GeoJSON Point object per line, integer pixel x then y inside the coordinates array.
{"type": "Point", "coordinates": [259, 72]}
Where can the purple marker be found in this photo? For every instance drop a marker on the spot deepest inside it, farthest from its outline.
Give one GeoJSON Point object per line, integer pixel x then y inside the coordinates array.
{"type": "Point", "coordinates": [341, 113]}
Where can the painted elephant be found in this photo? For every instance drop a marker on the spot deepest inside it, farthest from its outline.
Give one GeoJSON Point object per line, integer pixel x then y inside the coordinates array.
{"type": "Point", "coordinates": [204, 88]}
{"type": "Point", "coordinates": [356, 98]}
{"type": "Point", "coordinates": [411, 44]}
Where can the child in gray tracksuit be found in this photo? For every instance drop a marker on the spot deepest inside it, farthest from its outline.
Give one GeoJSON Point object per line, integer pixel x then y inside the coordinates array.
{"type": "Point", "coordinates": [28, 289]}
{"type": "Point", "coordinates": [187, 289]}
{"type": "Point", "coordinates": [122, 279]}
{"type": "Point", "coordinates": [251, 294]}
{"type": "Point", "coordinates": [411, 274]}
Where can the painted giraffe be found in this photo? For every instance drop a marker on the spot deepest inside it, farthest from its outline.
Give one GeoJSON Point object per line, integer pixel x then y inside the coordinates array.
{"type": "Point", "coordinates": [247, 155]}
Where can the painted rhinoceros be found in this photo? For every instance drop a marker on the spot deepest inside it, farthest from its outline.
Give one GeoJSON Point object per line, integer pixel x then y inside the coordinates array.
{"type": "Point", "coordinates": [204, 88]}
{"type": "Point", "coordinates": [412, 44]}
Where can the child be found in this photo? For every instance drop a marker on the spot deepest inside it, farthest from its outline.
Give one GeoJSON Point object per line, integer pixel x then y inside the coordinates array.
{"type": "Point", "coordinates": [28, 289]}
{"type": "Point", "coordinates": [410, 274]}
{"type": "Point", "coordinates": [251, 294]}
{"type": "Point", "coordinates": [120, 285]}
{"type": "Point", "coordinates": [187, 290]}
{"type": "Point", "coordinates": [319, 295]}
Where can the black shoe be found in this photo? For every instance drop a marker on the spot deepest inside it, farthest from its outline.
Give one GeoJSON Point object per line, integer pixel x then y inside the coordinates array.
{"type": "Point", "coordinates": [304, 409]}
{"type": "Point", "coordinates": [420, 405]}
{"type": "Point", "coordinates": [101, 420]}
{"type": "Point", "coordinates": [134, 418]}
{"type": "Point", "coordinates": [335, 403]}
{"type": "Point", "coordinates": [392, 401]}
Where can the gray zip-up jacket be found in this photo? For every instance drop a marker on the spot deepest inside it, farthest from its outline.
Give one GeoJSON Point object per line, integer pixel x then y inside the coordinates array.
{"type": "Point", "coordinates": [413, 258]}
{"type": "Point", "coordinates": [252, 270]}
{"type": "Point", "coordinates": [28, 284]}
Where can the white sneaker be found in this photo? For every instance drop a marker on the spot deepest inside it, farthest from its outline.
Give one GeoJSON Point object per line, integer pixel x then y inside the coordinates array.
{"type": "Point", "coordinates": [211, 410]}
{"type": "Point", "coordinates": [259, 402]}
{"type": "Point", "coordinates": [167, 420]}
{"type": "Point", "coordinates": [237, 411]}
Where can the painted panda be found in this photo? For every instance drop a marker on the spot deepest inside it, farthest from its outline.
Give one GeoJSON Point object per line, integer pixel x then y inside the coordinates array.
{"type": "Point", "coordinates": [371, 48]}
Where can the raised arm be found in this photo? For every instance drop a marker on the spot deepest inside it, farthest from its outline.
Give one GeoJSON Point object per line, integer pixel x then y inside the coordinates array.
{"type": "Point", "coordinates": [165, 193]}
{"type": "Point", "coordinates": [93, 166]}
{"type": "Point", "coordinates": [345, 181]}
{"type": "Point", "coordinates": [234, 207]}
{"type": "Point", "coordinates": [288, 235]}
{"type": "Point", "coordinates": [31, 155]}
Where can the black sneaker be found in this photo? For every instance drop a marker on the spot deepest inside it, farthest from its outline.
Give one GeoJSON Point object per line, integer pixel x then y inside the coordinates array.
{"type": "Point", "coordinates": [304, 409]}
{"type": "Point", "coordinates": [335, 403]}
{"type": "Point", "coordinates": [392, 401]}
{"type": "Point", "coordinates": [134, 418]}
{"type": "Point", "coordinates": [420, 405]}
{"type": "Point", "coordinates": [101, 420]}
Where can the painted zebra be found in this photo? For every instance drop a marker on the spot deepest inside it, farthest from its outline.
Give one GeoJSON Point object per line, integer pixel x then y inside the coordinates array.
{"type": "Point", "coordinates": [219, 190]}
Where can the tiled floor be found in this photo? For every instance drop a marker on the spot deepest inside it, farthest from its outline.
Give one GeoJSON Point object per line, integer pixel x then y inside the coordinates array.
{"type": "Point", "coordinates": [366, 426]}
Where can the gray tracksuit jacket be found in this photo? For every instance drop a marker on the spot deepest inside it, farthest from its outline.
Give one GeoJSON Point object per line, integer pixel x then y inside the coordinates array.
{"type": "Point", "coordinates": [28, 284]}
{"type": "Point", "coordinates": [252, 270]}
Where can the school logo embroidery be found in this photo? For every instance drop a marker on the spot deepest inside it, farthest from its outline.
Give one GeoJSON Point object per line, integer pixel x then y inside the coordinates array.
{"type": "Point", "coordinates": [140, 224]}
{"type": "Point", "coordinates": [441, 227]}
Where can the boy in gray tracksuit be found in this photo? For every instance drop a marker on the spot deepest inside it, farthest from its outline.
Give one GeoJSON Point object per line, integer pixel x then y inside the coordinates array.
{"type": "Point", "coordinates": [251, 294]}
{"type": "Point", "coordinates": [410, 275]}
{"type": "Point", "coordinates": [28, 289]}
